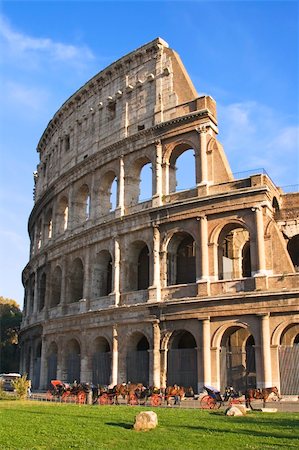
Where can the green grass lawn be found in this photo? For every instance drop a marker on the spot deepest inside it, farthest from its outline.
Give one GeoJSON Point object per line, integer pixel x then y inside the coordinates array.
{"type": "Point", "coordinates": [41, 425]}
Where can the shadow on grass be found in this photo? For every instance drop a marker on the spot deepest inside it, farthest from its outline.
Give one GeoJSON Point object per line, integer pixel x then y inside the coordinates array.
{"type": "Point", "coordinates": [276, 434]}
{"type": "Point", "coordinates": [127, 426]}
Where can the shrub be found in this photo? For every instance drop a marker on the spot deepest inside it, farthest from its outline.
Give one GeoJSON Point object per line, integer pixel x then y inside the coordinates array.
{"type": "Point", "coordinates": [21, 386]}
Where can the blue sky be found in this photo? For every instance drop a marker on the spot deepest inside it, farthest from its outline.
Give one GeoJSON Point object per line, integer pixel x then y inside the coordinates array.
{"type": "Point", "coordinates": [242, 53]}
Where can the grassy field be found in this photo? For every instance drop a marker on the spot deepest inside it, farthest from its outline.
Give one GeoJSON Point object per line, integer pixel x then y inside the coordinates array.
{"type": "Point", "coordinates": [38, 425]}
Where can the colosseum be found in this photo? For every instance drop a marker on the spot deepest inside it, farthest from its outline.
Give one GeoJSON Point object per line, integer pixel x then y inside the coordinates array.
{"type": "Point", "coordinates": [195, 286]}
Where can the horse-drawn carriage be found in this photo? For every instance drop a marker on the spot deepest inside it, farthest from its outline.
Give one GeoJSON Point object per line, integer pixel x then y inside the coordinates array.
{"type": "Point", "coordinates": [213, 399]}
{"type": "Point", "coordinates": [76, 392]}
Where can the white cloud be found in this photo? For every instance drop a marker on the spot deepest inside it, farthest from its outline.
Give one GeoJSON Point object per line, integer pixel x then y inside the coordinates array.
{"type": "Point", "coordinates": [255, 136]}
{"type": "Point", "coordinates": [29, 49]}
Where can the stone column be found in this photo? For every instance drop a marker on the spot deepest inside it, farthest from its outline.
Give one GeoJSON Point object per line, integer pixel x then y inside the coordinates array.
{"type": "Point", "coordinates": [202, 176]}
{"type": "Point", "coordinates": [206, 351]}
{"type": "Point", "coordinates": [157, 197]}
{"type": "Point", "coordinates": [93, 202]}
{"type": "Point", "coordinates": [120, 209]}
{"type": "Point", "coordinates": [156, 355]}
{"type": "Point", "coordinates": [155, 289]}
{"type": "Point", "coordinates": [116, 272]}
{"type": "Point", "coordinates": [164, 367]}
{"type": "Point", "coordinates": [203, 256]}
{"type": "Point", "coordinates": [260, 243]}
{"type": "Point", "coordinates": [43, 366]}
{"type": "Point", "coordinates": [87, 275]}
{"type": "Point", "coordinates": [114, 368]}
{"type": "Point", "coordinates": [265, 352]}
{"type": "Point", "coordinates": [71, 209]}
{"type": "Point", "coordinates": [165, 167]}
{"type": "Point", "coordinates": [85, 371]}
{"type": "Point", "coordinates": [64, 293]}
{"type": "Point", "coordinates": [36, 293]}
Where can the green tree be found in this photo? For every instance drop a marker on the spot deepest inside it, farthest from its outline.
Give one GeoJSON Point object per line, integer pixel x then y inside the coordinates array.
{"type": "Point", "coordinates": [10, 321]}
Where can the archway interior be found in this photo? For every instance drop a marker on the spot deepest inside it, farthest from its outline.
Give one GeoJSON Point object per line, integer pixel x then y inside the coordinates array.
{"type": "Point", "coordinates": [293, 249]}
{"type": "Point", "coordinates": [37, 365]}
{"type": "Point", "coordinates": [52, 363]}
{"type": "Point", "coordinates": [73, 361]}
{"type": "Point", "coordinates": [143, 269]}
{"type": "Point", "coordinates": [56, 286]}
{"type": "Point", "coordinates": [289, 360]}
{"type": "Point", "coordinates": [76, 281]}
{"type": "Point", "coordinates": [101, 362]}
{"type": "Point", "coordinates": [234, 259]}
{"type": "Point", "coordinates": [182, 360]}
{"type": "Point", "coordinates": [138, 359]}
{"type": "Point", "coordinates": [237, 359]}
{"type": "Point", "coordinates": [102, 274]}
{"type": "Point", "coordinates": [181, 259]}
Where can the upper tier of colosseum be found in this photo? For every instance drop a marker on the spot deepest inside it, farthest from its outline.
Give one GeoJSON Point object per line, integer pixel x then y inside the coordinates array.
{"type": "Point", "coordinates": [142, 91]}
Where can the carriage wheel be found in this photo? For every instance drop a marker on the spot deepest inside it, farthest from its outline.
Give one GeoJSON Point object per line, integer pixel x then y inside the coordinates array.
{"type": "Point", "coordinates": [155, 400]}
{"type": "Point", "coordinates": [81, 398]}
{"type": "Point", "coordinates": [208, 402]}
{"type": "Point", "coordinates": [65, 396]}
{"type": "Point", "coordinates": [49, 396]}
{"type": "Point", "coordinates": [103, 399]}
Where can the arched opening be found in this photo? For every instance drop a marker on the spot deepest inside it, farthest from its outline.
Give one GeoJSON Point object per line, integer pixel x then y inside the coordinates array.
{"type": "Point", "coordinates": [237, 359]}
{"type": "Point", "coordinates": [137, 267]}
{"type": "Point", "coordinates": [73, 361]}
{"type": "Point", "coordinates": [107, 198]}
{"type": "Point", "coordinates": [182, 360]}
{"type": "Point", "coordinates": [42, 291]}
{"type": "Point", "coordinates": [62, 215]}
{"type": "Point", "coordinates": [246, 260]}
{"type": "Point", "coordinates": [52, 363]}
{"type": "Point", "coordinates": [102, 274]}
{"type": "Point", "coordinates": [250, 381]}
{"type": "Point", "coordinates": [182, 173]}
{"type": "Point", "coordinates": [143, 269]}
{"type": "Point", "coordinates": [49, 224]}
{"type": "Point", "coordinates": [146, 183]}
{"type": "Point", "coordinates": [31, 292]}
{"type": "Point", "coordinates": [181, 259]}
{"type": "Point", "coordinates": [37, 365]}
{"type": "Point", "coordinates": [234, 260]}
{"type": "Point", "coordinates": [56, 287]}
{"type": "Point", "coordinates": [293, 249]}
{"type": "Point", "coordinates": [82, 205]}
{"type": "Point", "coordinates": [113, 195]}
{"type": "Point", "coordinates": [39, 235]}
{"type": "Point", "coordinates": [275, 205]}
{"type": "Point", "coordinates": [76, 281]}
{"type": "Point", "coordinates": [289, 360]}
{"type": "Point", "coordinates": [138, 359]}
{"type": "Point", "coordinates": [101, 362]}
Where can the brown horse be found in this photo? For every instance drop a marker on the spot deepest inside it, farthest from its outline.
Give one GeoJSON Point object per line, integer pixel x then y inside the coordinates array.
{"type": "Point", "coordinates": [176, 392]}
{"type": "Point", "coordinates": [260, 394]}
{"type": "Point", "coordinates": [126, 391]}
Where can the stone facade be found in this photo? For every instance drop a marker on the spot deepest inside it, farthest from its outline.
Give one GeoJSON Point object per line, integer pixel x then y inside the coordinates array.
{"type": "Point", "coordinates": [191, 287]}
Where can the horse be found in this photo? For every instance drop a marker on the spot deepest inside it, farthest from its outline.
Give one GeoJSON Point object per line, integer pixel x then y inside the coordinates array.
{"type": "Point", "coordinates": [260, 394]}
{"type": "Point", "coordinates": [128, 391]}
{"type": "Point", "coordinates": [175, 391]}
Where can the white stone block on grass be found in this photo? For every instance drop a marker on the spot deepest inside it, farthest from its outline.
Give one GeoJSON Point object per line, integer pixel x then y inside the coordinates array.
{"type": "Point", "coordinates": [145, 421]}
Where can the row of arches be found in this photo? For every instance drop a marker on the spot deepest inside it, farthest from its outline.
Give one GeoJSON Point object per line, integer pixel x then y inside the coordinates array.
{"type": "Point", "coordinates": [88, 202]}
{"type": "Point", "coordinates": [239, 355]}
{"type": "Point", "coordinates": [179, 265]}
